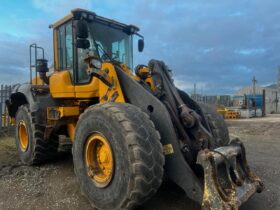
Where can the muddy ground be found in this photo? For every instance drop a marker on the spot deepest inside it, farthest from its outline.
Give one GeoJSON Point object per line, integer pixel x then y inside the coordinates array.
{"type": "Point", "coordinates": [54, 186]}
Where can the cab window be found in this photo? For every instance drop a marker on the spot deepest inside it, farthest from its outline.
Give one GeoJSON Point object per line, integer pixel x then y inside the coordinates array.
{"type": "Point", "coordinates": [65, 48]}
{"type": "Point", "coordinates": [83, 77]}
{"type": "Point", "coordinates": [82, 74]}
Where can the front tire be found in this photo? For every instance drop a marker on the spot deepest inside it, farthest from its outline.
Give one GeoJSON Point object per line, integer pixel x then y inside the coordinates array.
{"type": "Point", "coordinates": [124, 165]}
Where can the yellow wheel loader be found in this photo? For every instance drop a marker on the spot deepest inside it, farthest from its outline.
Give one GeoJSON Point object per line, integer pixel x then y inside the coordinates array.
{"type": "Point", "coordinates": [128, 129]}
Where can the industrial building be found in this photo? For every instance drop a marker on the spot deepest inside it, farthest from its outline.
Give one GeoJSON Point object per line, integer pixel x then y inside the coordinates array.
{"type": "Point", "coordinates": [213, 99]}
{"type": "Point", "coordinates": [271, 97]}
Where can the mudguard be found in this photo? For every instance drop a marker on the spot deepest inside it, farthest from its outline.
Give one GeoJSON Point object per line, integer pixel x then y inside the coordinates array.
{"type": "Point", "coordinates": [37, 101]}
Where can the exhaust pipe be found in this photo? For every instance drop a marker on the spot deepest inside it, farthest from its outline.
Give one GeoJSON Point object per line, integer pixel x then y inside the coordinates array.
{"type": "Point", "coordinates": [42, 69]}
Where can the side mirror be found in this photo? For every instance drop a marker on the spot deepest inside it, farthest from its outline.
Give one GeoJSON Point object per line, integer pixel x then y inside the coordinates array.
{"type": "Point", "coordinates": [140, 45]}
{"type": "Point", "coordinates": [82, 44]}
{"type": "Point", "coordinates": [82, 29]}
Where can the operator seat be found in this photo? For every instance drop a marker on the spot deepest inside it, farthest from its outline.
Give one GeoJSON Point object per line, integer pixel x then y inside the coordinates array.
{"type": "Point", "coordinates": [83, 77]}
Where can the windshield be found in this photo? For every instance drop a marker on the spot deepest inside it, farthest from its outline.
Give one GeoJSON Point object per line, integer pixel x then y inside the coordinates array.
{"type": "Point", "coordinates": [115, 43]}
{"type": "Point", "coordinates": [106, 43]}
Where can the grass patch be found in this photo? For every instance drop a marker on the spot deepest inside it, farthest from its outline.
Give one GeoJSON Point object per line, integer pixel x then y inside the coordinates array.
{"type": "Point", "coordinates": [8, 153]}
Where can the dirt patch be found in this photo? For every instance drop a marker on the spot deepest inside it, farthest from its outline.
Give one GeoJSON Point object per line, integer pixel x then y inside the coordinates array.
{"type": "Point", "coordinates": [261, 138]}
{"type": "Point", "coordinates": [54, 185]}
{"type": "Point", "coordinates": [49, 186]}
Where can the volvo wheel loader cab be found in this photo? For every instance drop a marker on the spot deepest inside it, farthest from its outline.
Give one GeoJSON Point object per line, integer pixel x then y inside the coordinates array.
{"type": "Point", "coordinates": [127, 129]}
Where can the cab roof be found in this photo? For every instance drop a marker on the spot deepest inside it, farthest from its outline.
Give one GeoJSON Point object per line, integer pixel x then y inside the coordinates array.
{"type": "Point", "coordinates": [81, 13]}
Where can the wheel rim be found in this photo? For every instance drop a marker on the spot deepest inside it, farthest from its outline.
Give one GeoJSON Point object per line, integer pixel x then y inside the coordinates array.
{"type": "Point", "coordinates": [23, 136]}
{"type": "Point", "coordinates": [99, 160]}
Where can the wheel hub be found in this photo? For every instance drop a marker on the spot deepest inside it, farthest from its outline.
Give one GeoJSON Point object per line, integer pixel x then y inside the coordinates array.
{"type": "Point", "coordinates": [99, 160]}
{"type": "Point", "coordinates": [23, 136]}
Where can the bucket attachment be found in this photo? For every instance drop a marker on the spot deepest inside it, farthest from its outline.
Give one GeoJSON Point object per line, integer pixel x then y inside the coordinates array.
{"type": "Point", "coordinates": [228, 181]}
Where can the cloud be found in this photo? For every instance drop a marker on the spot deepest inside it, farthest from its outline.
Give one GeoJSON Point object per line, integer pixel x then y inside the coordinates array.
{"type": "Point", "coordinates": [188, 85]}
{"type": "Point", "coordinates": [220, 45]}
{"type": "Point", "coordinates": [254, 51]}
{"type": "Point", "coordinates": [14, 57]}
{"type": "Point", "coordinates": [60, 7]}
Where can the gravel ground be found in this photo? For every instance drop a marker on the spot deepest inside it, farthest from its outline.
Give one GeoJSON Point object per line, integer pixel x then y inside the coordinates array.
{"type": "Point", "coordinates": [54, 186]}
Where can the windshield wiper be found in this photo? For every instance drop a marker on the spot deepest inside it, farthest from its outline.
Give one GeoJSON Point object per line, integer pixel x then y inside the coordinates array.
{"type": "Point", "coordinates": [104, 52]}
{"type": "Point", "coordinates": [114, 61]}
{"type": "Point", "coordinates": [98, 46]}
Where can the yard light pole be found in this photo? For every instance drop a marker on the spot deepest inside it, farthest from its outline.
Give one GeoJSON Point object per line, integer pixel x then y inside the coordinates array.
{"type": "Point", "coordinates": [254, 94]}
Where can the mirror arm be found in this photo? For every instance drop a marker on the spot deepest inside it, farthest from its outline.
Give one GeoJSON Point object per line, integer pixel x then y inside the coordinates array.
{"type": "Point", "coordinates": [142, 37]}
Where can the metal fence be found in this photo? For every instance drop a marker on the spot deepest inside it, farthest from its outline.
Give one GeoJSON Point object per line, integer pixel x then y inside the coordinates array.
{"type": "Point", "coordinates": [5, 123]}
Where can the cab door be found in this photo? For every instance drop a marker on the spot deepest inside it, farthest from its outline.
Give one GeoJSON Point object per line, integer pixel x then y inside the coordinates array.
{"type": "Point", "coordinates": [86, 86]}
{"type": "Point", "coordinates": [62, 80]}
{"type": "Point", "coordinates": [70, 79]}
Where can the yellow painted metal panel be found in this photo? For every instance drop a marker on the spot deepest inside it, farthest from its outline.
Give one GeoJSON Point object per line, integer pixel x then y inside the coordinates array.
{"type": "Point", "coordinates": [55, 47]}
{"type": "Point", "coordinates": [37, 81]}
{"type": "Point", "coordinates": [69, 111]}
{"type": "Point", "coordinates": [61, 21]}
{"type": "Point", "coordinates": [88, 90]}
{"type": "Point", "coordinates": [56, 113]}
{"type": "Point", "coordinates": [106, 94]}
{"type": "Point", "coordinates": [61, 85]}
{"type": "Point", "coordinates": [71, 130]}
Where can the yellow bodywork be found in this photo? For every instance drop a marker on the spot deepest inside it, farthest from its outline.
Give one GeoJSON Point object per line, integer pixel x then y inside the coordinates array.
{"type": "Point", "coordinates": [88, 90]}
{"type": "Point", "coordinates": [106, 93]}
{"type": "Point", "coordinates": [71, 129]}
{"type": "Point", "coordinates": [55, 45]}
{"type": "Point", "coordinates": [71, 114]}
{"type": "Point", "coordinates": [37, 81]}
{"type": "Point", "coordinates": [148, 76]}
{"type": "Point", "coordinates": [56, 113]}
{"type": "Point", "coordinates": [62, 87]}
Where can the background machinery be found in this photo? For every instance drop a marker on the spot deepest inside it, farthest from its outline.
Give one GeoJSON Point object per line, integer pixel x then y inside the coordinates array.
{"type": "Point", "coordinates": [127, 129]}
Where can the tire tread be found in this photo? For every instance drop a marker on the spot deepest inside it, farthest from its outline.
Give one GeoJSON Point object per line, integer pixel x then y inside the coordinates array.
{"type": "Point", "coordinates": [43, 149]}
{"type": "Point", "coordinates": [147, 175]}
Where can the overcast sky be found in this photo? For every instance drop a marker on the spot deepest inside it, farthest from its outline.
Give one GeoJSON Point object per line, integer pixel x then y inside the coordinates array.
{"type": "Point", "coordinates": [219, 44]}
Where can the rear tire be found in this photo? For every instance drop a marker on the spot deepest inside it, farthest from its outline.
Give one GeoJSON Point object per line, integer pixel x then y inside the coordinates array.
{"type": "Point", "coordinates": [216, 121]}
{"type": "Point", "coordinates": [30, 142]}
{"type": "Point", "coordinates": [137, 156]}
{"type": "Point", "coordinates": [217, 125]}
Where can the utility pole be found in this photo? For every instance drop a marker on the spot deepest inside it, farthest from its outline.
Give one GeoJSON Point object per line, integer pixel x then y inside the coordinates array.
{"type": "Point", "coordinates": [194, 92]}
{"type": "Point", "coordinates": [276, 101]}
{"type": "Point", "coordinates": [263, 104]}
{"type": "Point", "coordinates": [201, 98]}
{"type": "Point", "coordinates": [254, 94]}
